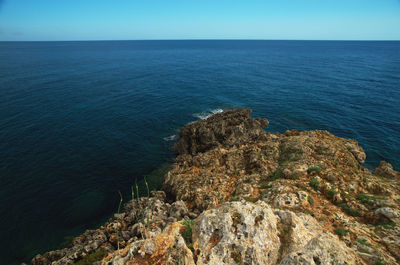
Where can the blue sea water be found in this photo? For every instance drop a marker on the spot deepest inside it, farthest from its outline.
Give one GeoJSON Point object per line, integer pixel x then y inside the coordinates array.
{"type": "Point", "coordinates": [80, 120]}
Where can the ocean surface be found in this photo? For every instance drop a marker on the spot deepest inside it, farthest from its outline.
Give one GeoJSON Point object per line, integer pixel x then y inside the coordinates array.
{"type": "Point", "coordinates": [81, 120]}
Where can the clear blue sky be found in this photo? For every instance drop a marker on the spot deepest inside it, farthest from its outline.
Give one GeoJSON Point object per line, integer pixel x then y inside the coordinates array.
{"type": "Point", "coordinates": [194, 19]}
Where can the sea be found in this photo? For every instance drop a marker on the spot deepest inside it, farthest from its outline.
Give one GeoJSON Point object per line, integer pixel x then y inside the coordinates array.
{"type": "Point", "coordinates": [82, 120]}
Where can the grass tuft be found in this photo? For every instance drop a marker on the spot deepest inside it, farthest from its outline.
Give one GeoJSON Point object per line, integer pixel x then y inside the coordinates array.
{"type": "Point", "coordinates": [187, 232]}
{"type": "Point", "coordinates": [341, 231]}
{"type": "Point", "coordinates": [310, 200]}
{"type": "Point", "coordinates": [315, 184]}
{"type": "Point", "coordinates": [92, 257]}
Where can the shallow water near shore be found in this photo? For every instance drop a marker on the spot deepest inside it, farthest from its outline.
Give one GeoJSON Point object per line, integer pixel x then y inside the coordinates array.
{"type": "Point", "coordinates": [81, 120]}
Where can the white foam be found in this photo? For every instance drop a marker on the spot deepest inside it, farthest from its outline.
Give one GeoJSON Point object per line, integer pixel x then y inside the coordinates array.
{"type": "Point", "coordinates": [206, 114]}
{"type": "Point", "coordinates": [170, 138]}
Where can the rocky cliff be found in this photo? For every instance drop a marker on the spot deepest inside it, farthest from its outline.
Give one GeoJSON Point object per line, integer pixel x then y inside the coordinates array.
{"type": "Point", "coordinates": [239, 195]}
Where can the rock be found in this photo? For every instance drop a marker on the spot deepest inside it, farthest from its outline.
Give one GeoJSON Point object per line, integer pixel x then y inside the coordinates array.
{"type": "Point", "coordinates": [178, 210]}
{"type": "Point", "coordinates": [291, 199]}
{"type": "Point", "coordinates": [228, 174]}
{"type": "Point", "coordinates": [236, 233]}
{"type": "Point", "coordinates": [247, 233]}
{"type": "Point", "coordinates": [386, 170]}
{"type": "Point", "coordinates": [356, 150]}
{"type": "Point", "coordinates": [169, 247]}
{"type": "Point", "coordinates": [225, 129]}
{"type": "Point", "coordinates": [388, 213]}
{"type": "Point", "coordinates": [323, 249]}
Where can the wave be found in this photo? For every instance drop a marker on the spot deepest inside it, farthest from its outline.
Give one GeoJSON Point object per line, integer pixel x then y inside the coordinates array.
{"type": "Point", "coordinates": [171, 138]}
{"type": "Point", "coordinates": [206, 114]}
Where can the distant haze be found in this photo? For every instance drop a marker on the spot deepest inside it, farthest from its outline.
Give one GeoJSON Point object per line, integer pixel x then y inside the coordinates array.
{"type": "Point", "coordinates": [195, 19]}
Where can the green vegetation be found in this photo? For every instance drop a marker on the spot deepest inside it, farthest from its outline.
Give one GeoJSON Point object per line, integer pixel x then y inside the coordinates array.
{"type": "Point", "coordinates": [251, 199]}
{"type": "Point", "coordinates": [119, 210]}
{"type": "Point", "coordinates": [379, 262]}
{"type": "Point", "coordinates": [148, 202]}
{"type": "Point", "coordinates": [236, 218]}
{"type": "Point", "coordinates": [92, 257]}
{"type": "Point", "coordinates": [290, 153]}
{"type": "Point", "coordinates": [265, 186]}
{"type": "Point", "coordinates": [350, 211]}
{"type": "Point", "coordinates": [248, 180]}
{"type": "Point", "coordinates": [363, 242]}
{"type": "Point", "coordinates": [341, 231]}
{"type": "Point", "coordinates": [187, 232]}
{"type": "Point", "coordinates": [365, 199]}
{"type": "Point", "coordinates": [369, 200]}
{"type": "Point", "coordinates": [317, 169]}
{"type": "Point", "coordinates": [315, 184]}
{"type": "Point", "coordinates": [331, 193]}
{"type": "Point", "coordinates": [236, 256]}
{"type": "Point", "coordinates": [277, 174]}
{"type": "Point", "coordinates": [310, 200]}
{"type": "Point", "coordinates": [308, 212]}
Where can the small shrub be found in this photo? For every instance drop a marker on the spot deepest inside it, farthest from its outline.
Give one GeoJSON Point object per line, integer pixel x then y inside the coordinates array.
{"type": "Point", "coordinates": [265, 186]}
{"type": "Point", "coordinates": [315, 184]}
{"type": "Point", "coordinates": [331, 193]}
{"type": "Point", "coordinates": [363, 242]}
{"type": "Point", "coordinates": [187, 231]}
{"type": "Point", "coordinates": [236, 256]}
{"type": "Point", "coordinates": [317, 169]}
{"type": "Point", "coordinates": [349, 210]}
{"type": "Point", "coordinates": [365, 199]}
{"type": "Point", "coordinates": [308, 212]}
{"type": "Point", "coordinates": [251, 199]}
{"type": "Point", "coordinates": [92, 257]}
{"type": "Point", "coordinates": [248, 180]}
{"type": "Point", "coordinates": [310, 200]}
{"type": "Point", "coordinates": [341, 231]}
{"type": "Point", "coordinates": [277, 174]}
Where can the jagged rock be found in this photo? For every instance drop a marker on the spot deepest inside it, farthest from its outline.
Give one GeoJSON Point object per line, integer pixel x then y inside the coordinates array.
{"type": "Point", "coordinates": [386, 170]}
{"type": "Point", "coordinates": [167, 248]}
{"type": "Point", "coordinates": [237, 232]}
{"type": "Point", "coordinates": [226, 129]}
{"type": "Point", "coordinates": [247, 233]}
{"type": "Point", "coordinates": [388, 213]}
{"type": "Point", "coordinates": [356, 150]}
{"type": "Point", "coordinates": [132, 223]}
{"type": "Point", "coordinates": [323, 249]}
{"type": "Point", "coordinates": [228, 173]}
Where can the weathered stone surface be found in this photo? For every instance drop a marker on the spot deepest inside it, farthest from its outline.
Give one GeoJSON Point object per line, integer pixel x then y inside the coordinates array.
{"type": "Point", "coordinates": [388, 213]}
{"type": "Point", "coordinates": [166, 248]}
{"type": "Point", "coordinates": [323, 249]}
{"type": "Point", "coordinates": [237, 233]}
{"type": "Point", "coordinates": [230, 172]}
{"type": "Point", "coordinates": [227, 129]}
{"type": "Point", "coordinates": [386, 170]}
{"type": "Point", "coordinates": [247, 233]}
{"type": "Point", "coordinates": [131, 224]}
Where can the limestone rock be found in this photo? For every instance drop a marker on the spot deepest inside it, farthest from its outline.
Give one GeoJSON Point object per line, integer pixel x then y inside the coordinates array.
{"type": "Point", "coordinates": [167, 248]}
{"type": "Point", "coordinates": [323, 249]}
{"type": "Point", "coordinates": [237, 232]}
{"type": "Point", "coordinates": [226, 129]}
{"type": "Point", "coordinates": [388, 213]}
{"type": "Point", "coordinates": [386, 170]}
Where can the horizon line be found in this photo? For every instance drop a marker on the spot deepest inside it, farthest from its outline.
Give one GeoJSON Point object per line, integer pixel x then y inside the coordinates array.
{"type": "Point", "coordinates": [202, 39]}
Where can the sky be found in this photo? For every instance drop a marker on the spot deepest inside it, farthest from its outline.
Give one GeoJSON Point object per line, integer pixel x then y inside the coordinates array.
{"type": "Point", "coordinates": [40, 20]}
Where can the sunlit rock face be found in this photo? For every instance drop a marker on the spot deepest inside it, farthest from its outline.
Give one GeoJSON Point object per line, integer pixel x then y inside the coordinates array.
{"type": "Point", "coordinates": [237, 194]}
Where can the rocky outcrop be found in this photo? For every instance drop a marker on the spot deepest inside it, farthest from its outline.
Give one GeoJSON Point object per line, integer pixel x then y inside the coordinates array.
{"type": "Point", "coordinates": [236, 233]}
{"type": "Point", "coordinates": [131, 225]}
{"type": "Point", "coordinates": [168, 247]}
{"type": "Point", "coordinates": [254, 197]}
{"type": "Point", "coordinates": [226, 129]}
{"type": "Point", "coordinates": [385, 170]}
